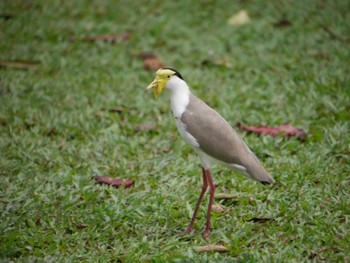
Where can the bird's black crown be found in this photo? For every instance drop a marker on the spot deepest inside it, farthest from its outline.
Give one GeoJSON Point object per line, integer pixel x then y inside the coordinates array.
{"type": "Point", "coordinates": [176, 73]}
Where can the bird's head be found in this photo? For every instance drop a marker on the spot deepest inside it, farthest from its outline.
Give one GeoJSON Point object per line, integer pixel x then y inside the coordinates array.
{"type": "Point", "coordinates": [163, 76]}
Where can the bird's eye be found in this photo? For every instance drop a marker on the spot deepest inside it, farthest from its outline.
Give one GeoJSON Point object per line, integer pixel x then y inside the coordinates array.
{"type": "Point", "coordinates": [168, 77]}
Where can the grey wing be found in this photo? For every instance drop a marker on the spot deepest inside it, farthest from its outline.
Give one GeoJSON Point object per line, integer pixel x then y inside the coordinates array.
{"type": "Point", "coordinates": [219, 140]}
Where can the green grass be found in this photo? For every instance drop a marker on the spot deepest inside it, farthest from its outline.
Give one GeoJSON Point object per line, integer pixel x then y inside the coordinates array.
{"type": "Point", "coordinates": [56, 131]}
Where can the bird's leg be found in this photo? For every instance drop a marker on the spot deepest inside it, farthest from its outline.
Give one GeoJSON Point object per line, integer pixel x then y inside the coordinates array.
{"type": "Point", "coordinates": [212, 191]}
{"type": "Point", "coordinates": [204, 189]}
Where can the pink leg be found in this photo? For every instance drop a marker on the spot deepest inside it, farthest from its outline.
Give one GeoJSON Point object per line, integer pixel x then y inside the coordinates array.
{"type": "Point", "coordinates": [212, 191]}
{"type": "Point", "coordinates": [204, 189]}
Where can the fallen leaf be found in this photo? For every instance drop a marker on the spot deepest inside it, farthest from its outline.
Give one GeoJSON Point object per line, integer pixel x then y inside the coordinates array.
{"type": "Point", "coordinates": [334, 35]}
{"type": "Point", "coordinates": [6, 16]}
{"type": "Point", "coordinates": [284, 129]}
{"type": "Point", "coordinates": [321, 54]}
{"type": "Point", "coordinates": [20, 64]}
{"type": "Point", "coordinates": [107, 180]}
{"type": "Point", "coordinates": [209, 248]}
{"type": "Point", "coordinates": [107, 37]}
{"type": "Point", "coordinates": [259, 220]}
{"type": "Point", "coordinates": [146, 54]}
{"type": "Point", "coordinates": [282, 23]}
{"type": "Point", "coordinates": [251, 200]}
{"type": "Point", "coordinates": [150, 60]}
{"type": "Point", "coordinates": [172, 137]}
{"type": "Point", "coordinates": [225, 196]}
{"type": "Point", "coordinates": [129, 183]}
{"type": "Point", "coordinates": [145, 127]}
{"type": "Point", "coordinates": [118, 109]}
{"type": "Point", "coordinates": [114, 181]}
{"type": "Point", "coordinates": [223, 62]}
{"type": "Point", "coordinates": [316, 254]}
{"type": "Point", "coordinates": [239, 18]}
{"type": "Point", "coordinates": [51, 132]}
{"type": "Point", "coordinates": [166, 150]}
{"type": "Point", "coordinates": [82, 226]}
{"type": "Point", "coordinates": [217, 208]}
{"type": "Point", "coordinates": [153, 63]}
{"type": "Point", "coordinates": [219, 62]}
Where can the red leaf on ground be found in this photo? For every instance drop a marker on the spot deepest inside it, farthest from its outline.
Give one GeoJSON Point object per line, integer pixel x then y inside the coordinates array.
{"type": "Point", "coordinates": [114, 181]}
{"type": "Point", "coordinates": [150, 61]}
{"type": "Point", "coordinates": [145, 127]}
{"type": "Point", "coordinates": [146, 54]}
{"type": "Point", "coordinates": [284, 129]}
{"type": "Point", "coordinates": [153, 64]}
{"type": "Point", "coordinates": [129, 183]}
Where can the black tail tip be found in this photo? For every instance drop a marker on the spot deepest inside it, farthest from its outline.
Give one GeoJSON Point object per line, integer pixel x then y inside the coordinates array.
{"type": "Point", "coordinates": [265, 182]}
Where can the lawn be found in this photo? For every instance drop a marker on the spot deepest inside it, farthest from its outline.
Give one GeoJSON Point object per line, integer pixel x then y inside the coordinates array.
{"type": "Point", "coordinates": [71, 109]}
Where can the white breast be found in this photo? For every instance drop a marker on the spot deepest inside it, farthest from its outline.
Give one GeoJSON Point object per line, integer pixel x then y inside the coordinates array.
{"type": "Point", "coordinates": [180, 97]}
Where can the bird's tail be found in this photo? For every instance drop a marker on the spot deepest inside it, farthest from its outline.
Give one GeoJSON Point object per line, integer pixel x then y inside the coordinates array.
{"type": "Point", "coordinates": [259, 173]}
{"type": "Point", "coordinates": [256, 171]}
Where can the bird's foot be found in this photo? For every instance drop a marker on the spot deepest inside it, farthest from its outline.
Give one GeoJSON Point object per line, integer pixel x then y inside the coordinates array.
{"type": "Point", "coordinates": [206, 234]}
{"type": "Point", "coordinates": [189, 229]}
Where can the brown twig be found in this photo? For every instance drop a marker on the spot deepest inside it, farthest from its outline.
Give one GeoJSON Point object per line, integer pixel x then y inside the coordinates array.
{"type": "Point", "coordinates": [334, 35]}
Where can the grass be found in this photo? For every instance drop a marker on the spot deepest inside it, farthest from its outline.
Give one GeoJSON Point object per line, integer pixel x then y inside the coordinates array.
{"type": "Point", "coordinates": [56, 131]}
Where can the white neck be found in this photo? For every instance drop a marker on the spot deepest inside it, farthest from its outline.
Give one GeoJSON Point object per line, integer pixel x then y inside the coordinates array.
{"type": "Point", "coordinates": [180, 95]}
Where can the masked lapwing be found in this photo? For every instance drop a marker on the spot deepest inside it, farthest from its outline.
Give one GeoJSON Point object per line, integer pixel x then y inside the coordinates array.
{"type": "Point", "coordinates": [209, 135]}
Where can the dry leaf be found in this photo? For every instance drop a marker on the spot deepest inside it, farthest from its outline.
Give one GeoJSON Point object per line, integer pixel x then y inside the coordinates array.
{"type": "Point", "coordinates": [145, 127]}
{"type": "Point", "coordinates": [6, 16]}
{"type": "Point", "coordinates": [82, 226]}
{"type": "Point", "coordinates": [284, 129]}
{"type": "Point", "coordinates": [117, 109]}
{"type": "Point", "coordinates": [150, 61]}
{"type": "Point", "coordinates": [223, 62]}
{"type": "Point", "coordinates": [51, 132]}
{"type": "Point", "coordinates": [334, 35]}
{"type": "Point", "coordinates": [114, 181]}
{"type": "Point", "coordinates": [107, 37]}
{"type": "Point", "coordinates": [282, 23]}
{"type": "Point", "coordinates": [152, 64]}
{"type": "Point", "coordinates": [259, 220]}
{"type": "Point", "coordinates": [166, 150]}
{"type": "Point", "coordinates": [225, 196]}
{"type": "Point", "coordinates": [218, 62]}
{"type": "Point", "coordinates": [146, 54]}
{"type": "Point", "coordinates": [217, 208]}
{"type": "Point", "coordinates": [251, 200]}
{"type": "Point", "coordinates": [38, 220]}
{"type": "Point", "coordinates": [240, 18]}
{"type": "Point", "coordinates": [20, 64]}
{"type": "Point", "coordinates": [209, 248]}
{"type": "Point", "coordinates": [129, 183]}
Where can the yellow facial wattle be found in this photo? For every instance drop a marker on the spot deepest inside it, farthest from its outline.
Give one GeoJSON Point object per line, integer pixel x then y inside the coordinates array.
{"type": "Point", "coordinates": [158, 84]}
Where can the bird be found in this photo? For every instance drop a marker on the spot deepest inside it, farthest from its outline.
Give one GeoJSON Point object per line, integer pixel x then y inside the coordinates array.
{"type": "Point", "coordinates": [209, 135]}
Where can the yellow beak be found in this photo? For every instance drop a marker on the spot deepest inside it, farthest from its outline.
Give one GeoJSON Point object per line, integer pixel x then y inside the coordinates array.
{"type": "Point", "coordinates": [158, 85]}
